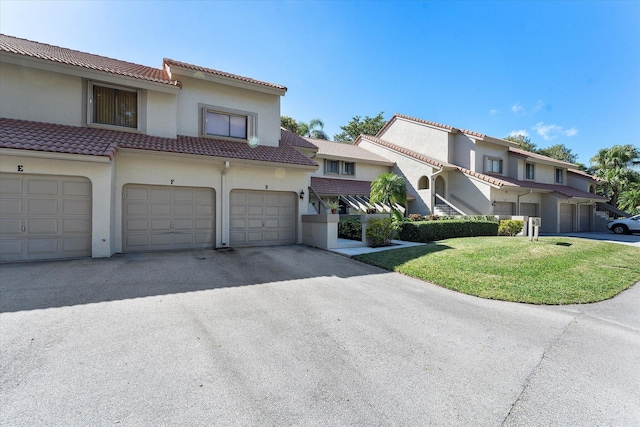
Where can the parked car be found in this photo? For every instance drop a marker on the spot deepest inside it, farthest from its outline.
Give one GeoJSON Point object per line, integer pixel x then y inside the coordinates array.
{"type": "Point", "coordinates": [625, 225]}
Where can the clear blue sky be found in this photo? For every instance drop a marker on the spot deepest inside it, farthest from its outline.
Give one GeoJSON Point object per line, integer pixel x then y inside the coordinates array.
{"type": "Point", "coordinates": [562, 71]}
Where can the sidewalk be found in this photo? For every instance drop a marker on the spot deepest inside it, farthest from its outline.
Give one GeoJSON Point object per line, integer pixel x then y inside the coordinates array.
{"type": "Point", "coordinates": [353, 247]}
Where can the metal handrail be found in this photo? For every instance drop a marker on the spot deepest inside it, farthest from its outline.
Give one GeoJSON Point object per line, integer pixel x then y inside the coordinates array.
{"type": "Point", "coordinates": [448, 203]}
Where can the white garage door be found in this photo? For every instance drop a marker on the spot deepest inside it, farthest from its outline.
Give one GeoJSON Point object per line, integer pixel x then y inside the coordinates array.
{"type": "Point", "coordinates": [529, 209]}
{"type": "Point", "coordinates": [159, 218]}
{"type": "Point", "coordinates": [44, 217]}
{"type": "Point", "coordinates": [566, 217]}
{"type": "Point", "coordinates": [260, 218]}
{"type": "Point", "coordinates": [503, 208]}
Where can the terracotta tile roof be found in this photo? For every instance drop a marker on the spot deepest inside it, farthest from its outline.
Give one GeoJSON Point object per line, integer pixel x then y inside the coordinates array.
{"type": "Point", "coordinates": [347, 151]}
{"type": "Point", "coordinates": [192, 67]}
{"type": "Point", "coordinates": [295, 140]}
{"type": "Point", "coordinates": [85, 60]}
{"type": "Point", "coordinates": [20, 134]}
{"type": "Point", "coordinates": [585, 175]}
{"type": "Point", "coordinates": [563, 190]}
{"type": "Point", "coordinates": [340, 187]}
{"type": "Point", "coordinates": [413, 119]}
{"type": "Point", "coordinates": [523, 153]}
{"type": "Point", "coordinates": [403, 150]}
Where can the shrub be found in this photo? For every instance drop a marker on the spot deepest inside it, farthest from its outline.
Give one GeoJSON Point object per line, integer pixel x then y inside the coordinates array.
{"type": "Point", "coordinates": [471, 217]}
{"type": "Point", "coordinates": [380, 231]}
{"type": "Point", "coordinates": [433, 217]}
{"type": "Point", "coordinates": [510, 227]}
{"type": "Point", "coordinates": [415, 217]}
{"type": "Point", "coordinates": [428, 231]}
{"type": "Point", "coordinates": [350, 228]}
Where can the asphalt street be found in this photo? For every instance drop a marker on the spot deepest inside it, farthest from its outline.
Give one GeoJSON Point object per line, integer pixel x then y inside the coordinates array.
{"type": "Point", "coordinates": [299, 336]}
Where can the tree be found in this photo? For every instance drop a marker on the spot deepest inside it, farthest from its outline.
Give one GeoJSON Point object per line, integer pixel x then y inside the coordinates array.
{"type": "Point", "coordinates": [523, 141]}
{"type": "Point", "coordinates": [290, 124]}
{"type": "Point", "coordinates": [616, 165]}
{"type": "Point", "coordinates": [389, 188]}
{"type": "Point", "coordinates": [559, 152]}
{"type": "Point", "coordinates": [313, 129]}
{"type": "Point", "coordinates": [630, 199]}
{"type": "Point", "coordinates": [358, 126]}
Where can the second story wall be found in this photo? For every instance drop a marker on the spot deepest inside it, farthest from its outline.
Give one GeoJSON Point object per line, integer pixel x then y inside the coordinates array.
{"type": "Point", "coordinates": [197, 94]}
{"type": "Point", "coordinates": [419, 137]}
{"type": "Point", "coordinates": [41, 96]}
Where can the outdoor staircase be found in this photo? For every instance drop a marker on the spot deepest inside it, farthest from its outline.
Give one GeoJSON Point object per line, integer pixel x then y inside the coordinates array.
{"type": "Point", "coordinates": [442, 209]}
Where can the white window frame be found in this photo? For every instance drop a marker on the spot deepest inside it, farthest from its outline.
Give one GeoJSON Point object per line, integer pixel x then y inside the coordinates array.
{"type": "Point", "coordinates": [251, 122]}
{"type": "Point", "coordinates": [493, 160]}
{"type": "Point", "coordinates": [326, 167]}
{"type": "Point", "coordinates": [90, 121]}
{"type": "Point", "coordinates": [526, 171]}
{"type": "Point", "coordinates": [559, 175]}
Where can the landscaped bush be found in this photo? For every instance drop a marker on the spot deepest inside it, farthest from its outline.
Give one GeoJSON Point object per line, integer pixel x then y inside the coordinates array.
{"type": "Point", "coordinates": [510, 227]}
{"type": "Point", "coordinates": [415, 217]}
{"type": "Point", "coordinates": [380, 231]}
{"type": "Point", "coordinates": [429, 231]}
{"type": "Point", "coordinates": [350, 228]}
{"type": "Point", "coordinates": [471, 217]}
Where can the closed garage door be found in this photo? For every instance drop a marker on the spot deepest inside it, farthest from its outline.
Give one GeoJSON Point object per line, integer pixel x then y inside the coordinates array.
{"type": "Point", "coordinates": [585, 217]}
{"type": "Point", "coordinates": [529, 209]}
{"type": "Point", "coordinates": [566, 217]}
{"type": "Point", "coordinates": [44, 217]}
{"type": "Point", "coordinates": [503, 208]}
{"type": "Point", "coordinates": [260, 218]}
{"type": "Point", "coordinates": [167, 218]}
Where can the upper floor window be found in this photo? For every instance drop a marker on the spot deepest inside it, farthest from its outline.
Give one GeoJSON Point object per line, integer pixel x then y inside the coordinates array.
{"type": "Point", "coordinates": [331, 166]}
{"type": "Point", "coordinates": [529, 171]}
{"type": "Point", "coordinates": [559, 176]}
{"type": "Point", "coordinates": [223, 124]}
{"type": "Point", "coordinates": [349, 168]}
{"type": "Point", "coordinates": [113, 106]}
{"type": "Point", "coordinates": [423, 183]}
{"type": "Point", "coordinates": [493, 165]}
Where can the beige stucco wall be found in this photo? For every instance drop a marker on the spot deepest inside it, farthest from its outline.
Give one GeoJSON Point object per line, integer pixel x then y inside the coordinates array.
{"type": "Point", "coordinates": [195, 91]}
{"type": "Point", "coordinates": [41, 96]}
{"type": "Point", "coordinates": [161, 114]}
{"type": "Point", "coordinates": [576, 181]}
{"type": "Point", "coordinates": [420, 138]}
{"type": "Point", "coordinates": [96, 169]}
{"type": "Point", "coordinates": [484, 150]}
{"type": "Point", "coordinates": [140, 167]}
{"type": "Point", "coordinates": [473, 193]}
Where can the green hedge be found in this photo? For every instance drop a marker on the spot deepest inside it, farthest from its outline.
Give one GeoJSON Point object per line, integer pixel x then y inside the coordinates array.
{"type": "Point", "coordinates": [429, 231]}
{"type": "Point", "coordinates": [510, 227]}
{"type": "Point", "coordinates": [350, 228]}
{"type": "Point", "coordinates": [380, 232]}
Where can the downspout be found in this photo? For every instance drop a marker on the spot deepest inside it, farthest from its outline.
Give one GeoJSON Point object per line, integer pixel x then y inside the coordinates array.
{"type": "Point", "coordinates": [223, 200]}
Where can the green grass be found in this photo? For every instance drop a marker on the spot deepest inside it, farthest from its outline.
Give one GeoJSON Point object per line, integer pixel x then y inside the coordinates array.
{"type": "Point", "coordinates": [554, 270]}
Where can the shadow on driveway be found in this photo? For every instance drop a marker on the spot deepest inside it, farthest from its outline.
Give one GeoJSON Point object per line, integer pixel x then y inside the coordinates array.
{"type": "Point", "coordinates": [39, 285]}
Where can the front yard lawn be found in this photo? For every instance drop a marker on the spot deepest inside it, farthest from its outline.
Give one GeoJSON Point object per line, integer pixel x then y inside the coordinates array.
{"type": "Point", "coordinates": [554, 270]}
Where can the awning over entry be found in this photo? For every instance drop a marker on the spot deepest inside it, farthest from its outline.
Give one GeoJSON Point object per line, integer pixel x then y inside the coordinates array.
{"type": "Point", "coordinates": [363, 203]}
{"type": "Point", "coordinates": [352, 193]}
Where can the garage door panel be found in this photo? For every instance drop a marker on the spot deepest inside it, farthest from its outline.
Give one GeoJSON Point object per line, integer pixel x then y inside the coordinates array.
{"type": "Point", "coordinates": [255, 197]}
{"type": "Point", "coordinates": [11, 247]}
{"type": "Point", "coordinates": [10, 226]}
{"type": "Point", "coordinates": [10, 185]}
{"type": "Point", "coordinates": [136, 225]}
{"type": "Point", "coordinates": [183, 210]}
{"type": "Point", "coordinates": [503, 208]}
{"type": "Point", "coordinates": [529, 209]}
{"type": "Point", "coordinates": [159, 194]}
{"type": "Point", "coordinates": [254, 237]}
{"type": "Point", "coordinates": [42, 246]}
{"type": "Point", "coordinates": [76, 188]}
{"type": "Point", "coordinates": [272, 223]}
{"type": "Point", "coordinates": [37, 186]}
{"type": "Point", "coordinates": [255, 210]}
{"type": "Point", "coordinates": [272, 210]}
{"type": "Point", "coordinates": [76, 225]}
{"type": "Point", "coordinates": [566, 217]}
{"type": "Point", "coordinates": [254, 223]}
{"type": "Point", "coordinates": [177, 218]}
{"type": "Point", "coordinates": [42, 226]}
{"type": "Point", "coordinates": [76, 244]}
{"type": "Point", "coordinates": [238, 210]}
{"type": "Point", "coordinates": [11, 206]}
{"type": "Point", "coordinates": [238, 223]}
{"type": "Point", "coordinates": [76, 207]}
{"type": "Point", "coordinates": [42, 207]}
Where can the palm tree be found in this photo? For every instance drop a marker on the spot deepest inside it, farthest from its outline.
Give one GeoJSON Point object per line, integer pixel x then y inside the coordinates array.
{"type": "Point", "coordinates": [630, 199]}
{"type": "Point", "coordinates": [616, 166]}
{"type": "Point", "coordinates": [389, 188]}
{"type": "Point", "coordinates": [309, 129]}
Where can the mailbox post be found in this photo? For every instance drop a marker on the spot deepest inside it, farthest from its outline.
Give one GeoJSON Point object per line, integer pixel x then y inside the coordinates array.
{"type": "Point", "coordinates": [534, 227]}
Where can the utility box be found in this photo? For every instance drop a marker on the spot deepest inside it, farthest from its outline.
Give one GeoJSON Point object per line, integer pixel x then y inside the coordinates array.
{"type": "Point", "coordinates": [534, 227]}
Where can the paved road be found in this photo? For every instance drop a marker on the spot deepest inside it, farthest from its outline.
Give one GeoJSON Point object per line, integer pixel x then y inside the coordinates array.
{"type": "Point", "coordinates": [299, 336]}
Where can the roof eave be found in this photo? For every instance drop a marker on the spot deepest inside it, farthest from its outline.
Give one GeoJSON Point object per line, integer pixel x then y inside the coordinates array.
{"type": "Point", "coordinates": [228, 81]}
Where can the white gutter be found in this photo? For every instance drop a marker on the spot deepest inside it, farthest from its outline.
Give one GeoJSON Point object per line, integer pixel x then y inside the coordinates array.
{"type": "Point", "coordinates": [224, 202]}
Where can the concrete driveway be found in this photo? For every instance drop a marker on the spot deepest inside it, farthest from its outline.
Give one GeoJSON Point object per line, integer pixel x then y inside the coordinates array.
{"type": "Point", "coordinates": [299, 336]}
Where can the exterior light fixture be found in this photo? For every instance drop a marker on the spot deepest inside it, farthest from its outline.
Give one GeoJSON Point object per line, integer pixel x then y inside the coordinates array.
{"type": "Point", "coordinates": [301, 194]}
